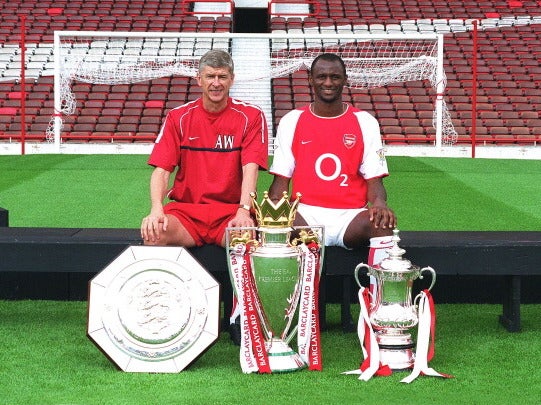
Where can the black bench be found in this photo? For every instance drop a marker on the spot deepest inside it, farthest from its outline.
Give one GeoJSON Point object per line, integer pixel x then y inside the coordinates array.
{"type": "Point", "coordinates": [73, 256]}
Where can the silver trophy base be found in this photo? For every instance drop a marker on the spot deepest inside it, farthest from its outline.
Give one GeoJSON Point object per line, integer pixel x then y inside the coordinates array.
{"type": "Point", "coordinates": [396, 350]}
{"type": "Point", "coordinates": [283, 359]}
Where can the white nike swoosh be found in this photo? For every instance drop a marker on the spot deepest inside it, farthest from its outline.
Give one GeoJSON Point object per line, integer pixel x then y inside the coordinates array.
{"type": "Point", "coordinates": [191, 138]}
{"type": "Point", "coordinates": [305, 142]}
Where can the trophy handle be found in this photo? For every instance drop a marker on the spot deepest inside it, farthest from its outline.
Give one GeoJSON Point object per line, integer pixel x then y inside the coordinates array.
{"type": "Point", "coordinates": [291, 335]}
{"type": "Point", "coordinates": [356, 273]}
{"type": "Point", "coordinates": [432, 272]}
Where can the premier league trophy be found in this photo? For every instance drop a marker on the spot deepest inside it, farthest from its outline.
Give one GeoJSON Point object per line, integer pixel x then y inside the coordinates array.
{"type": "Point", "coordinates": [276, 276]}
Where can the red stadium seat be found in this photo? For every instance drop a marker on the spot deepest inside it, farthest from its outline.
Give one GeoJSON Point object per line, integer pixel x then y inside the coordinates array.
{"type": "Point", "coordinates": [106, 127]}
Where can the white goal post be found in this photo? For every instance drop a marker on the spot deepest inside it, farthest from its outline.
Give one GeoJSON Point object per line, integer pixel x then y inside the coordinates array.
{"type": "Point", "coordinates": [131, 57]}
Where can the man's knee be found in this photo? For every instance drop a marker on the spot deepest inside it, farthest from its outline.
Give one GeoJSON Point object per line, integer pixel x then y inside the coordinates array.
{"type": "Point", "coordinates": [157, 242]}
{"type": "Point", "coordinates": [361, 229]}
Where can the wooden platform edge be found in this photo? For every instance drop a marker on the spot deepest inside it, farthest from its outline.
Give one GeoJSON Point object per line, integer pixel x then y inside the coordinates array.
{"type": "Point", "coordinates": [510, 255]}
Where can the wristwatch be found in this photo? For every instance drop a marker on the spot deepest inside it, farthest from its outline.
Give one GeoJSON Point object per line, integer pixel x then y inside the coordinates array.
{"type": "Point", "coordinates": [245, 206]}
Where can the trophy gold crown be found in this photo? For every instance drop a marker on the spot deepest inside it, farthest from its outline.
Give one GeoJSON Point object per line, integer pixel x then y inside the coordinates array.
{"type": "Point", "coordinates": [275, 215]}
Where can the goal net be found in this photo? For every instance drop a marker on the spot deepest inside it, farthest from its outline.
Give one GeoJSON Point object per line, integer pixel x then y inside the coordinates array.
{"type": "Point", "coordinates": [131, 57]}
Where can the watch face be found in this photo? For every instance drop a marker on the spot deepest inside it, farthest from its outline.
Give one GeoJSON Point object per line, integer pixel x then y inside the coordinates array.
{"type": "Point", "coordinates": [153, 309]}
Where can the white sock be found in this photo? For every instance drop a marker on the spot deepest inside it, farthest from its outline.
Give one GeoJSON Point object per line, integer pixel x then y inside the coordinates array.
{"type": "Point", "coordinates": [376, 253]}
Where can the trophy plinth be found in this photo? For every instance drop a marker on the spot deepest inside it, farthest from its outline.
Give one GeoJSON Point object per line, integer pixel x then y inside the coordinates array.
{"type": "Point", "coordinates": [282, 358]}
{"type": "Point", "coordinates": [392, 313]}
{"type": "Point", "coordinates": [396, 349]}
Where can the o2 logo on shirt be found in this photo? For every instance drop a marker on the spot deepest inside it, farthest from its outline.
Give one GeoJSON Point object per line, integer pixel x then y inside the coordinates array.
{"type": "Point", "coordinates": [335, 160]}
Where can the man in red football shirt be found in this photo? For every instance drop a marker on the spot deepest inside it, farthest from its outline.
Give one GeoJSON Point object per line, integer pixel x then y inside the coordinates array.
{"type": "Point", "coordinates": [217, 144]}
{"type": "Point", "coordinates": [333, 155]}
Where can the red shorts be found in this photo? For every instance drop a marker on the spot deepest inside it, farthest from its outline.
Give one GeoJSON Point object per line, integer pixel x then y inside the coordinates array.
{"type": "Point", "coordinates": [206, 223]}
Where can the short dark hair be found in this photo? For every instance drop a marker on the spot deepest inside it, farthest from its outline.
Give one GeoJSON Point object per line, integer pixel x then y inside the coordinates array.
{"type": "Point", "coordinates": [217, 58]}
{"type": "Point", "coordinates": [329, 57]}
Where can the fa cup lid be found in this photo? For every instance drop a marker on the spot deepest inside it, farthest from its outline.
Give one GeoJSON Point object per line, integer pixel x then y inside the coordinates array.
{"type": "Point", "coordinates": [395, 262]}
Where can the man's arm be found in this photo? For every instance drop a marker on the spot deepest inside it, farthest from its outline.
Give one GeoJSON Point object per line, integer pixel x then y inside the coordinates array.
{"type": "Point", "coordinates": [250, 172]}
{"type": "Point", "coordinates": [159, 183]}
{"type": "Point", "coordinates": [277, 188]}
{"type": "Point", "coordinates": [380, 214]}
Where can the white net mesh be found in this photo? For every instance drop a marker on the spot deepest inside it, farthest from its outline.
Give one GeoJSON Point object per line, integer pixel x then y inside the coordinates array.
{"type": "Point", "coordinates": [124, 58]}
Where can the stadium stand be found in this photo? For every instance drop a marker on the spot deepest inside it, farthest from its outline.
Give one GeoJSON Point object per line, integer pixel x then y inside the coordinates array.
{"type": "Point", "coordinates": [508, 64]}
{"type": "Point", "coordinates": [94, 119]}
{"type": "Point", "coordinates": [508, 60]}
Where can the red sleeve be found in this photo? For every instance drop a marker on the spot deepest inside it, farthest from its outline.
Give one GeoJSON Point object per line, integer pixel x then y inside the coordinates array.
{"type": "Point", "coordinates": [166, 151]}
{"type": "Point", "coordinates": [255, 142]}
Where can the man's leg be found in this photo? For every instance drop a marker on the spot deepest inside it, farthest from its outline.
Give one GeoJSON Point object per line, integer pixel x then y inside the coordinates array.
{"type": "Point", "coordinates": [361, 230]}
{"type": "Point", "coordinates": [234, 316]}
{"type": "Point", "coordinates": [175, 235]}
{"type": "Point", "coordinates": [234, 321]}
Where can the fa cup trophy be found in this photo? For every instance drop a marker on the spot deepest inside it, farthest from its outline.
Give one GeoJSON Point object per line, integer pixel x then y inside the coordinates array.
{"type": "Point", "coordinates": [388, 316]}
{"type": "Point", "coordinates": [392, 313]}
{"type": "Point", "coordinates": [276, 278]}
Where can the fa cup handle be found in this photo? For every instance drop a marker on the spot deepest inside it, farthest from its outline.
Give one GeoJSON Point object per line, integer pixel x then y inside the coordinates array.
{"type": "Point", "coordinates": [360, 266]}
{"type": "Point", "coordinates": [433, 274]}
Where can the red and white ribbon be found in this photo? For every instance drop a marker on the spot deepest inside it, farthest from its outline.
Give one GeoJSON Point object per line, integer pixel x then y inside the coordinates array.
{"type": "Point", "coordinates": [425, 339]}
{"type": "Point", "coordinates": [308, 334]}
{"type": "Point", "coordinates": [253, 354]}
{"type": "Point", "coordinates": [371, 365]}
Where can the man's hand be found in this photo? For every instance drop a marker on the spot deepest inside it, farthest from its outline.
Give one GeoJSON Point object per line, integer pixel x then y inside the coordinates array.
{"type": "Point", "coordinates": [382, 217]}
{"type": "Point", "coordinates": [152, 226]}
{"type": "Point", "coordinates": [242, 219]}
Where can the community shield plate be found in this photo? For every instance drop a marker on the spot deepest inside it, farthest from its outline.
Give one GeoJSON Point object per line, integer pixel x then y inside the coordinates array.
{"type": "Point", "coordinates": [153, 309]}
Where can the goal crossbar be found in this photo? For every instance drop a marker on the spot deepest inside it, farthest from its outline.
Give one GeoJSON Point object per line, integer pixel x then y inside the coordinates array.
{"type": "Point", "coordinates": [131, 57]}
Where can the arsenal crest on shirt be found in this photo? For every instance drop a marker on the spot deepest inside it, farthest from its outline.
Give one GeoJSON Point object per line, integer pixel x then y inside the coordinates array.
{"type": "Point", "coordinates": [381, 154]}
{"type": "Point", "coordinates": [350, 140]}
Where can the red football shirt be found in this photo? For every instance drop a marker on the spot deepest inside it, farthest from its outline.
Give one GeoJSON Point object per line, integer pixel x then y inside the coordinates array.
{"type": "Point", "coordinates": [210, 149]}
{"type": "Point", "coordinates": [329, 159]}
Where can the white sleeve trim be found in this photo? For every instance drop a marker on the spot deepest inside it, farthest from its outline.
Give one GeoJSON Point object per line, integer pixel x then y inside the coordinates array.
{"type": "Point", "coordinates": [283, 163]}
{"type": "Point", "coordinates": [374, 163]}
